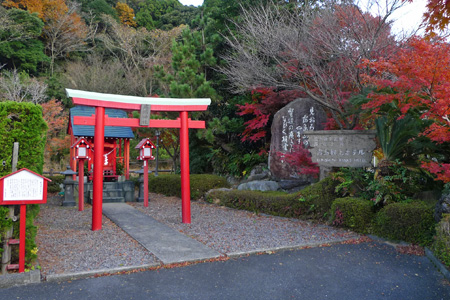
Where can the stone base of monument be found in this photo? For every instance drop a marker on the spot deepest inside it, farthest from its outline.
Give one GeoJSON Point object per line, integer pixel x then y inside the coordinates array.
{"type": "Point", "coordinates": [259, 185]}
{"type": "Point", "coordinates": [293, 186]}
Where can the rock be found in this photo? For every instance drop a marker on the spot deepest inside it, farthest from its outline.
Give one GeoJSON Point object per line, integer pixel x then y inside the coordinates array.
{"type": "Point", "coordinates": [260, 185]}
{"type": "Point", "coordinates": [215, 201]}
{"type": "Point", "coordinates": [259, 172]}
{"type": "Point", "coordinates": [442, 207]}
{"type": "Point", "coordinates": [288, 126]}
{"type": "Point", "coordinates": [233, 181]}
{"type": "Point", "coordinates": [292, 186]}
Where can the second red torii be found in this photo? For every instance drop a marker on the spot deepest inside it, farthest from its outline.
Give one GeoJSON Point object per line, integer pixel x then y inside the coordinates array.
{"type": "Point", "coordinates": [101, 101]}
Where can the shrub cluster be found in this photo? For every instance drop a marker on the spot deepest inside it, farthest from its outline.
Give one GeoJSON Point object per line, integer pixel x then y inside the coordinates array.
{"type": "Point", "coordinates": [30, 236]}
{"type": "Point", "coordinates": [313, 202]}
{"type": "Point", "coordinates": [170, 184]}
{"type": "Point", "coordinates": [354, 213]}
{"type": "Point", "coordinates": [274, 203]}
{"type": "Point", "coordinates": [54, 185]}
{"type": "Point", "coordinates": [441, 244]}
{"type": "Point", "coordinates": [411, 222]}
{"type": "Point", "coordinates": [23, 123]}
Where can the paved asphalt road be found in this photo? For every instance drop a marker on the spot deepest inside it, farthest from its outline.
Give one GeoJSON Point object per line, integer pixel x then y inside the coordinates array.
{"type": "Point", "coordinates": [365, 271]}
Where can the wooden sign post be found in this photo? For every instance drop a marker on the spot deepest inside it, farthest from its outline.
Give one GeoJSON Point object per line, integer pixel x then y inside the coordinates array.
{"type": "Point", "coordinates": [21, 188]}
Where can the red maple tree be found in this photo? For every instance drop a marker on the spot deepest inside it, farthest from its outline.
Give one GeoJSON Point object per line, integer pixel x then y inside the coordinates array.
{"type": "Point", "coordinates": [416, 80]}
{"type": "Point", "coordinates": [265, 103]}
{"type": "Point", "coordinates": [57, 140]}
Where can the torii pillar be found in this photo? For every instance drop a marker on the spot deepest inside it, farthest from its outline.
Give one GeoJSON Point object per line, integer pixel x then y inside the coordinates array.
{"type": "Point", "coordinates": [101, 101]}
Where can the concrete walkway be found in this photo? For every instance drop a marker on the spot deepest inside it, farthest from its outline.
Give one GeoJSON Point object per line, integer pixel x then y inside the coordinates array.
{"type": "Point", "coordinates": [167, 244]}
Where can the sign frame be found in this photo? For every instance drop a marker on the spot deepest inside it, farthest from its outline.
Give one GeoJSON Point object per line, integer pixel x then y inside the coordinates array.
{"type": "Point", "coordinates": [43, 197]}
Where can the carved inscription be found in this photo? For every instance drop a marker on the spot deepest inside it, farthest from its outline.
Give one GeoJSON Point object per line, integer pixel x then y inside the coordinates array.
{"type": "Point", "coordinates": [292, 134]}
{"type": "Point", "coordinates": [288, 127]}
{"type": "Point", "coordinates": [339, 148]}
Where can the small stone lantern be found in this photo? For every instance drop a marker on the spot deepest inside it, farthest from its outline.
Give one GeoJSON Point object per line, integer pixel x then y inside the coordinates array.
{"type": "Point", "coordinates": [69, 187]}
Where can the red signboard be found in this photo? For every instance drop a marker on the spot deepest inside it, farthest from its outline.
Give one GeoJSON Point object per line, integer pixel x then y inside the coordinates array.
{"type": "Point", "coordinates": [23, 187]}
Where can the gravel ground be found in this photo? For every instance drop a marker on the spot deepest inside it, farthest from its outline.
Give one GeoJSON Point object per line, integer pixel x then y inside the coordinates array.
{"type": "Point", "coordinates": [232, 231]}
{"type": "Point", "coordinates": [67, 244]}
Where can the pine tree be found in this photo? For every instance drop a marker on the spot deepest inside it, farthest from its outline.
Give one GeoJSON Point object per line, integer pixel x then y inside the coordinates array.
{"type": "Point", "coordinates": [187, 77]}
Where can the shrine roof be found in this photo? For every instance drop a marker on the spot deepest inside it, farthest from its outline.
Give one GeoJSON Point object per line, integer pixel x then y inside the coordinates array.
{"type": "Point", "coordinates": [142, 142]}
{"type": "Point", "coordinates": [110, 131]}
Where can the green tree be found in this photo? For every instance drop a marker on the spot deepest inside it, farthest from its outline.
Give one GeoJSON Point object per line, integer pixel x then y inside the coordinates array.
{"type": "Point", "coordinates": [190, 59]}
{"type": "Point", "coordinates": [98, 8]}
{"type": "Point", "coordinates": [151, 11]}
{"type": "Point", "coordinates": [27, 52]}
{"type": "Point", "coordinates": [178, 16]}
{"type": "Point", "coordinates": [187, 78]}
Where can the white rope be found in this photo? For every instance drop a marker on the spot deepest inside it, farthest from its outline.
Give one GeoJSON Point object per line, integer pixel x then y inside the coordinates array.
{"type": "Point", "coordinates": [106, 155]}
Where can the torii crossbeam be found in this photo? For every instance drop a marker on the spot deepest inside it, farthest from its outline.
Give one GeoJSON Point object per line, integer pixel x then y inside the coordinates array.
{"type": "Point", "coordinates": [144, 104]}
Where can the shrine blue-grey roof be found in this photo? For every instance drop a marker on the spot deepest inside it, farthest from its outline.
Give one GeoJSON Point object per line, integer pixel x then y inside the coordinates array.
{"type": "Point", "coordinates": [110, 131]}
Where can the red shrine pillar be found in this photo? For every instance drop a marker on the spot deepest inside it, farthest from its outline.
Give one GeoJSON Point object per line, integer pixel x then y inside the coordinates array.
{"type": "Point", "coordinates": [184, 163]}
{"type": "Point", "coordinates": [99, 139]}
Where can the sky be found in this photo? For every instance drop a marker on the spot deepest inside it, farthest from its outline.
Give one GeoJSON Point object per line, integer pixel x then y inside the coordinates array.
{"type": "Point", "coordinates": [407, 18]}
{"type": "Point", "coordinates": [191, 2]}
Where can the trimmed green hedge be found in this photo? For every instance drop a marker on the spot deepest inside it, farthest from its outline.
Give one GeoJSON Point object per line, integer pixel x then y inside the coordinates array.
{"type": "Point", "coordinates": [411, 222]}
{"type": "Point", "coordinates": [354, 213]}
{"type": "Point", "coordinates": [170, 185]}
{"type": "Point", "coordinates": [30, 236]}
{"type": "Point", "coordinates": [22, 123]}
{"type": "Point", "coordinates": [441, 244]}
{"type": "Point", "coordinates": [53, 186]}
{"type": "Point", "coordinates": [320, 196]}
{"type": "Point", "coordinates": [313, 202]}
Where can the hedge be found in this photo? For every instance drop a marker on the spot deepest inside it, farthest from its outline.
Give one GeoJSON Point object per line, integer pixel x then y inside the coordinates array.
{"type": "Point", "coordinates": [170, 185]}
{"type": "Point", "coordinates": [411, 222]}
{"type": "Point", "coordinates": [313, 202]}
{"type": "Point", "coordinates": [441, 244]}
{"type": "Point", "coordinates": [22, 123]}
{"type": "Point", "coordinates": [54, 185]}
{"type": "Point", "coordinates": [354, 213]}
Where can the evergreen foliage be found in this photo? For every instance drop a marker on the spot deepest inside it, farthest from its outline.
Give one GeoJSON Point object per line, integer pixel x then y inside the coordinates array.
{"type": "Point", "coordinates": [190, 57]}
{"type": "Point", "coordinates": [441, 244]}
{"type": "Point", "coordinates": [411, 222]}
{"type": "Point", "coordinates": [170, 185]}
{"type": "Point", "coordinates": [354, 213]}
{"type": "Point", "coordinates": [99, 7]}
{"type": "Point", "coordinates": [23, 53]}
{"type": "Point", "coordinates": [313, 202]}
{"type": "Point", "coordinates": [23, 123]}
{"type": "Point", "coordinates": [151, 12]}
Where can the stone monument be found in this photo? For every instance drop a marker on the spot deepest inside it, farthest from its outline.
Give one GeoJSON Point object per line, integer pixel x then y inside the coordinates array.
{"type": "Point", "coordinates": [341, 148]}
{"type": "Point", "coordinates": [287, 130]}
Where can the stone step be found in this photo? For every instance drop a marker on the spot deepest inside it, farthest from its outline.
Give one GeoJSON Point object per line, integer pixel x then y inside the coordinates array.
{"type": "Point", "coordinates": [113, 200]}
{"type": "Point", "coordinates": [112, 193]}
{"type": "Point", "coordinates": [109, 193]}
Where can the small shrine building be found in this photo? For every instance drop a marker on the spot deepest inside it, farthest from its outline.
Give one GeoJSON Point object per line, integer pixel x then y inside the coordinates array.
{"type": "Point", "coordinates": [116, 142]}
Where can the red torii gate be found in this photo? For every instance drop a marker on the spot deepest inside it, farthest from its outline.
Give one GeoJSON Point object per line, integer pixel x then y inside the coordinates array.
{"type": "Point", "coordinates": [145, 105]}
